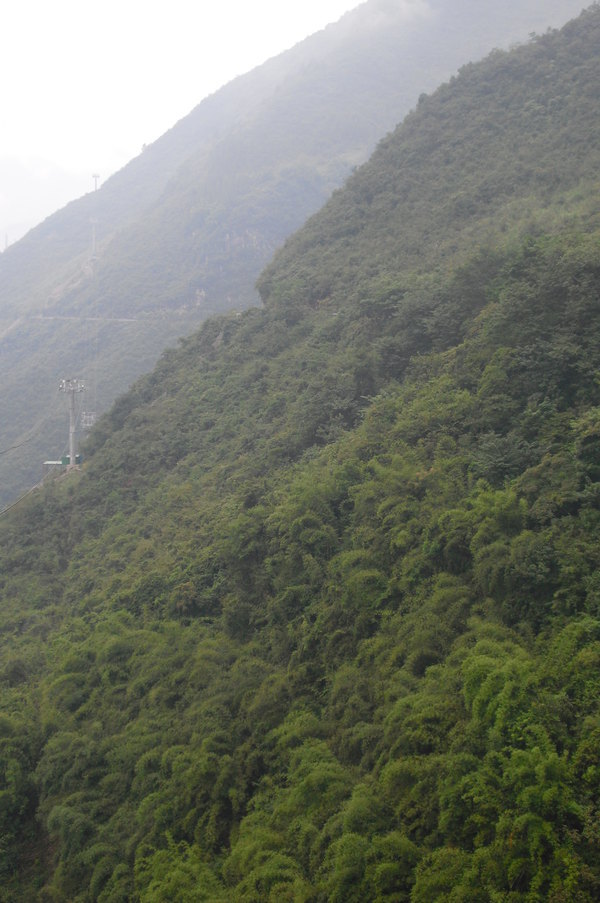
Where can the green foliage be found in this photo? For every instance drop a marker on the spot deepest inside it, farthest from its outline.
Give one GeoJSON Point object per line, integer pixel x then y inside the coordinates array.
{"type": "Point", "coordinates": [183, 231]}
{"type": "Point", "coordinates": [340, 640]}
{"type": "Point", "coordinates": [176, 873]}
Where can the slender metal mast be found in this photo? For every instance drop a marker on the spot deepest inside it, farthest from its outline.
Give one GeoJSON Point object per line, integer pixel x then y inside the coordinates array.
{"type": "Point", "coordinates": [72, 387]}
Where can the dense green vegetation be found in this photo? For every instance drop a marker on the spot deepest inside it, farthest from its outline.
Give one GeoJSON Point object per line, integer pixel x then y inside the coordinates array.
{"type": "Point", "coordinates": [319, 620]}
{"type": "Point", "coordinates": [184, 230]}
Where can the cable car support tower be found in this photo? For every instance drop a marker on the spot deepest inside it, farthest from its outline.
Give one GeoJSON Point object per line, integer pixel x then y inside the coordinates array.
{"type": "Point", "coordinates": [71, 387]}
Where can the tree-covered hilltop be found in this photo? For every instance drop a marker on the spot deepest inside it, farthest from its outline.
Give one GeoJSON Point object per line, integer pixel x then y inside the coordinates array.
{"type": "Point", "coordinates": [100, 288]}
{"type": "Point", "coordinates": [319, 618]}
{"type": "Point", "coordinates": [545, 144]}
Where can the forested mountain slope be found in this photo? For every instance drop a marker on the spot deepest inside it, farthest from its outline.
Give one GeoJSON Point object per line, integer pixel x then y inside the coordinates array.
{"type": "Point", "coordinates": [101, 287]}
{"type": "Point", "coordinates": [319, 618]}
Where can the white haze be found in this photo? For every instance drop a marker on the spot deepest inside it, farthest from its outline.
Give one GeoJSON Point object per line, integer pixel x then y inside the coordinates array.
{"type": "Point", "coordinates": [83, 86]}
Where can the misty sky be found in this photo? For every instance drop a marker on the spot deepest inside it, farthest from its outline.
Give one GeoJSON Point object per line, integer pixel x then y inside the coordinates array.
{"type": "Point", "coordinates": [84, 86]}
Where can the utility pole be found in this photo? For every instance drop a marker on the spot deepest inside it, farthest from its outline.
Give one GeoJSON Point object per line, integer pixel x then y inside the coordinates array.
{"type": "Point", "coordinates": [71, 387]}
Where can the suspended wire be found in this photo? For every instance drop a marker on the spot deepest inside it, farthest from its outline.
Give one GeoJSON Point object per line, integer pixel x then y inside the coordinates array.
{"type": "Point", "coordinates": [5, 451]}
{"type": "Point", "coordinates": [37, 485]}
{"type": "Point", "coordinates": [94, 362]}
{"type": "Point", "coordinates": [29, 491]}
{"type": "Point", "coordinates": [20, 499]}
